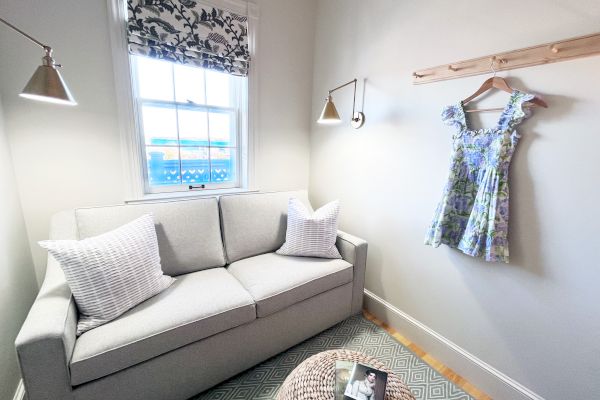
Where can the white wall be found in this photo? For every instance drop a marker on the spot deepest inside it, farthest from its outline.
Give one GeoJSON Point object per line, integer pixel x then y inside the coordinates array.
{"type": "Point", "coordinates": [71, 157]}
{"type": "Point", "coordinates": [285, 41]}
{"type": "Point", "coordinates": [537, 318]}
{"type": "Point", "coordinates": [17, 280]}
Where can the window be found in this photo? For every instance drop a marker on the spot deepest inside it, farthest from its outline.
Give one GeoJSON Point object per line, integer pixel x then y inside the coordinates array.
{"type": "Point", "coordinates": [184, 124]}
{"type": "Point", "coordinates": [191, 125]}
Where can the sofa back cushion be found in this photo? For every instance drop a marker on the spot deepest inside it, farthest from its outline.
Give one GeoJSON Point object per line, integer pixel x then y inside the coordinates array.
{"type": "Point", "coordinates": [255, 223]}
{"type": "Point", "coordinates": [188, 231]}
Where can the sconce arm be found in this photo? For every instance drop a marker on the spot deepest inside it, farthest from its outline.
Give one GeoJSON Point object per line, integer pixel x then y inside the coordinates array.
{"type": "Point", "coordinates": [354, 81]}
{"type": "Point", "coordinates": [47, 48]}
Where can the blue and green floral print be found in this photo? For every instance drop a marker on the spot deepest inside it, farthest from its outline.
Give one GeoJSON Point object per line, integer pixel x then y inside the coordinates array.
{"type": "Point", "coordinates": [473, 213]}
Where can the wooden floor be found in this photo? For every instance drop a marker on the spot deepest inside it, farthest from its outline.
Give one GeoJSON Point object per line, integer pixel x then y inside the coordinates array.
{"type": "Point", "coordinates": [435, 364]}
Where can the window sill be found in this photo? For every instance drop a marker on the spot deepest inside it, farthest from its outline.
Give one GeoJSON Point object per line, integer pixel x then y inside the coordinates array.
{"type": "Point", "coordinates": [188, 195]}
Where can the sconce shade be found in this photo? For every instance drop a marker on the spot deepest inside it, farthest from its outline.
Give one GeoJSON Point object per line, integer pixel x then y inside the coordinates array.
{"type": "Point", "coordinates": [46, 84]}
{"type": "Point", "coordinates": [329, 115]}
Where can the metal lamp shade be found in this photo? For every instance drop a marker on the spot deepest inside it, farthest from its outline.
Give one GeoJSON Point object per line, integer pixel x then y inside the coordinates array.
{"type": "Point", "coordinates": [46, 84]}
{"type": "Point", "coordinates": [329, 115]}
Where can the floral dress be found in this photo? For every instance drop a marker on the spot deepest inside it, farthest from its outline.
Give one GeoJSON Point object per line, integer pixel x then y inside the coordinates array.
{"type": "Point", "coordinates": [473, 213]}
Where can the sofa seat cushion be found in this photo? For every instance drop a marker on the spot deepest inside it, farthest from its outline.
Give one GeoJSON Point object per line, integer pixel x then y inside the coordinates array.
{"type": "Point", "coordinates": [197, 305]}
{"type": "Point", "coordinates": [276, 282]}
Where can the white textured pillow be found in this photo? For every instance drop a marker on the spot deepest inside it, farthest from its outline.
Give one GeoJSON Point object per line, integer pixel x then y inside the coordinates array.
{"type": "Point", "coordinates": [311, 235]}
{"type": "Point", "coordinates": [110, 273]}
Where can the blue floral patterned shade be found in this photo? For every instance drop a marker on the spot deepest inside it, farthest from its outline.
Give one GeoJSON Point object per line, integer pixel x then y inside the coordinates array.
{"type": "Point", "coordinates": [187, 32]}
{"type": "Point", "coordinates": [472, 215]}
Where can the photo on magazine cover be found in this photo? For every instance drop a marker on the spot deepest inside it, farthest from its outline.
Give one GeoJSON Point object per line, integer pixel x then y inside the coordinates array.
{"type": "Point", "coordinates": [355, 381]}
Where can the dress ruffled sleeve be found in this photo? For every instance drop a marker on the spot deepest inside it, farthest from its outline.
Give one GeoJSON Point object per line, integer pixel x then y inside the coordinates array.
{"type": "Point", "coordinates": [515, 114]}
{"type": "Point", "coordinates": [454, 116]}
{"type": "Point", "coordinates": [520, 113]}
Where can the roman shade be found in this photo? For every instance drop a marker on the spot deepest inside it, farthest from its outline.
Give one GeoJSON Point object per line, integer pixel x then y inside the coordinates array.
{"type": "Point", "coordinates": [189, 32]}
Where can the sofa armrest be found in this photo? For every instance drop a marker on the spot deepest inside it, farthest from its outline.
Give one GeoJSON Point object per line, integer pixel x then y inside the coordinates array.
{"type": "Point", "coordinates": [354, 251]}
{"type": "Point", "coordinates": [46, 340]}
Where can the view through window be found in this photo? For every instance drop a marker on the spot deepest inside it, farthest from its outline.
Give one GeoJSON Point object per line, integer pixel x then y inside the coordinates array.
{"type": "Point", "coordinates": [189, 120]}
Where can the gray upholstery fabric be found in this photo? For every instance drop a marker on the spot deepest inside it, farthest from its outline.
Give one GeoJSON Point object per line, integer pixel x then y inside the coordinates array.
{"type": "Point", "coordinates": [276, 282]}
{"type": "Point", "coordinates": [197, 305]}
{"type": "Point", "coordinates": [255, 223]}
{"type": "Point", "coordinates": [354, 250]}
{"type": "Point", "coordinates": [46, 340]}
{"type": "Point", "coordinates": [188, 231]}
{"type": "Point", "coordinates": [191, 369]}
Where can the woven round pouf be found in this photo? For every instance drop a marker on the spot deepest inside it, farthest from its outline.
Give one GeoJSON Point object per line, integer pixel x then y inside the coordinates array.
{"type": "Point", "coordinates": [314, 378]}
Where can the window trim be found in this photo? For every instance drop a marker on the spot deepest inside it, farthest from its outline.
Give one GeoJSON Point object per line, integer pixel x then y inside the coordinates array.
{"type": "Point", "coordinates": [133, 160]}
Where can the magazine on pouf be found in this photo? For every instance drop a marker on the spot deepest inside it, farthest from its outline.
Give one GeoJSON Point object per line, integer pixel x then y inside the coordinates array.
{"type": "Point", "coordinates": [356, 381]}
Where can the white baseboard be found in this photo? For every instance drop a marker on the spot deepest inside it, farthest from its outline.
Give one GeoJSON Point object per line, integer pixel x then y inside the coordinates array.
{"type": "Point", "coordinates": [20, 392]}
{"type": "Point", "coordinates": [482, 375]}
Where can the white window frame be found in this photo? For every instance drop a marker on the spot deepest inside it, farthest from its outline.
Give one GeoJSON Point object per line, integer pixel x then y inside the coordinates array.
{"type": "Point", "coordinates": [134, 160]}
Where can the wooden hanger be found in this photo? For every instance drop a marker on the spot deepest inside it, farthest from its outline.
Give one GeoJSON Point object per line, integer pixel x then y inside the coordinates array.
{"type": "Point", "coordinates": [496, 82]}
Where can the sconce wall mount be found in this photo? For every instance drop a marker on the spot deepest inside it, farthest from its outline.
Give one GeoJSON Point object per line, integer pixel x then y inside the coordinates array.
{"type": "Point", "coordinates": [330, 115]}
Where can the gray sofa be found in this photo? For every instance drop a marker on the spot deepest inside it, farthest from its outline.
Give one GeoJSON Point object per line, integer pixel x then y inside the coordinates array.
{"type": "Point", "coordinates": [234, 304]}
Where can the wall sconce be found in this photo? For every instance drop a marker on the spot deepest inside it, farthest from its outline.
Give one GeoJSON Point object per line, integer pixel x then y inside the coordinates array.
{"type": "Point", "coordinates": [46, 84]}
{"type": "Point", "coordinates": [330, 116]}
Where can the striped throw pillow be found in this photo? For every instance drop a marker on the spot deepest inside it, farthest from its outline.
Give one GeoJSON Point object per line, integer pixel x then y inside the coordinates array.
{"type": "Point", "coordinates": [311, 234]}
{"type": "Point", "coordinates": [111, 273]}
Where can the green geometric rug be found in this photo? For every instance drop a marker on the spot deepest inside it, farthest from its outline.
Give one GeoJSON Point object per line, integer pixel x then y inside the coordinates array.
{"type": "Point", "coordinates": [356, 333]}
